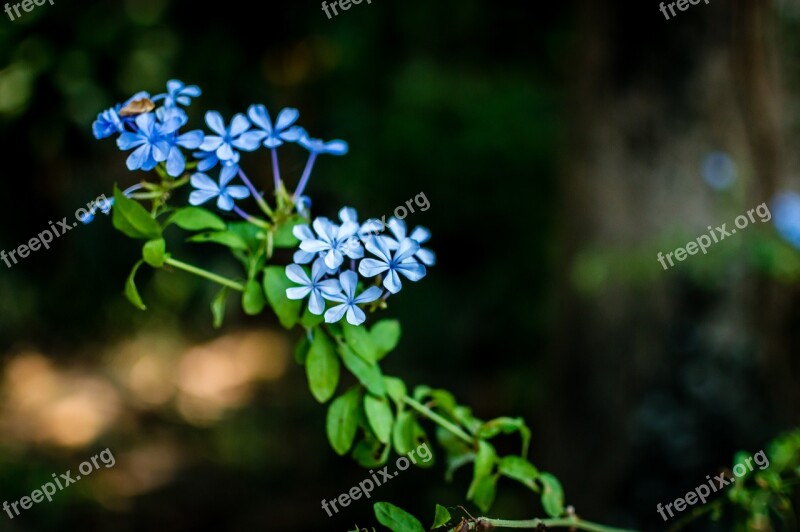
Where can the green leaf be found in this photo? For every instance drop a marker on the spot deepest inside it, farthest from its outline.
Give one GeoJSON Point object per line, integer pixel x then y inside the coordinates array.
{"type": "Point", "coordinates": [483, 492]}
{"type": "Point", "coordinates": [218, 307]}
{"type": "Point", "coordinates": [283, 237]}
{"type": "Point", "coordinates": [403, 433]}
{"type": "Point", "coordinates": [441, 518]}
{"type": "Point", "coordinates": [322, 367]}
{"type": "Point", "coordinates": [360, 341]}
{"type": "Point", "coordinates": [196, 219]}
{"type": "Point", "coordinates": [385, 335]}
{"type": "Point", "coordinates": [368, 374]}
{"type": "Point", "coordinates": [506, 425]}
{"type": "Point", "coordinates": [519, 469]}
{"type": "Point", "coordinates": [380, 417]}
{"type": "Point", "coordinates": [342, 420]}
{"type": "Point", "coordinates": [154, 252]}
{"type": "Point", "coordinates": [132, 219]}
{"type": "Point", "coordinates": [130, 288]}
{"type": "Point", "coordinates": [275, 285]}
{"type": "Point", "coordinates": [369, 452]}
{"type": "Point", "coordinates": [396, 389]}
{"type": "Point", "coordinates": [252, 236]}
{"type": "Point", "coordinates": [253, 301]}
{"type": "Point", "coordinates": [552, 495]}
{"type": "Point", "coordinates": [224, 238]}
{"type": "Point", "coordinates": [396, 519]}
{"type": "Point", "coordinates": [479, 490]}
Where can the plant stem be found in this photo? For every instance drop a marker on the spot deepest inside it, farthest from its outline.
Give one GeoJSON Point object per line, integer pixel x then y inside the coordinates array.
{"type": "Point", "coordinates": [276, 173]}
{"type": "Point", "coordinates": [252, 219]}
{"type": "Point", "coordinates": [436, 418]}
{"type": "Point", "coordinates": [259, 199]}
{"type": "Point", "coordinates": [224, 281]}
{"type": "Point", "coordinates": [301, 186]}
{"type": "Point", "coordinates": [573, 523]}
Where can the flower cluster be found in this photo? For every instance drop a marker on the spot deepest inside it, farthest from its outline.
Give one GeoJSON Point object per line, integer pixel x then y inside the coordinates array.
{"type": "Point", "coordinates": [327, 247]}
{"type": "Point", "coordinates": [339, 266]}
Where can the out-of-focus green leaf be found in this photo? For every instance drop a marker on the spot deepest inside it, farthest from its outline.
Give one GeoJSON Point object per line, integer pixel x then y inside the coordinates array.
{"type": "Point", "coordinates": [396, 519]}
{"type": "Point", "coordinates": [322, 368]}
{"type": "Point", "coordinates": [342, 420]}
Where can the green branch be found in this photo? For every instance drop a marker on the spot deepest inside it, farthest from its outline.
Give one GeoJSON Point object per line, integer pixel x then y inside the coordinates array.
{"type": "Point", "coordinates": [442, 422]}
{"type": "Point", "coordinates": [224, 281]}
{"type": "Point", "coordinates": [573, 523]}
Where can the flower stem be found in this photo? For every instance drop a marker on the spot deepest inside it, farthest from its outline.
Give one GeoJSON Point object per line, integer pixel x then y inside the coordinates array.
{"type": "Point", "coordinates": [439, 420]}
{"type": "Point", "coordinates": [252, 219]}
{"type": "Point", "coordinates": [276, 173]}
{"type": "Point", "coordinates": [573, 523]}
{"type": "Point", "coordinates": [259, 199]}
{"type": "Point", "coordinates": [301, 186]}
{"type": "Point", "coordinates": [224, 281]}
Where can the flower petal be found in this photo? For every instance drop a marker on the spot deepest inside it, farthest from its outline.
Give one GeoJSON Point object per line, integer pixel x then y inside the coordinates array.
{"type": "Point", "coordinates": [297, 292]}
{"type": "Point", "coordinates": [139, 157]}
{"type": "Point", "coordinates": [420, 234]}
{"type": "Point", "coordinates": [203, 182]}
{"type": "Point", "coordinates": [239, 125]}
{"type": "Point", "coordinates": [199, 197]}
{"type": "Point", "coordinates": [372, 267]}
{"type": "Point", "coordinates": [332, 315]}
{"type": "Point", "coordinates": [224, 202]}
{"type": "Point", "coordinates": [286, 118]}
{"type": "Point", "coordinates": [413, 270]}
{"type": "Point", "coordinates": [407, 249]}
{"type": "Point", "coordinates": [349, 280]}
{"type": "Point", "coordinates": [215, 122]}
{"type": "Point", "coordinates": [369, 295]}
{"type": "Point", "coordinates": [398, 228]}
{"type": "Point", "coordinates": [237, 191]}
{"type": "Point", "coordinates": [260, 117]}
{"type": "Point", "coordinates": [377, 247]}
{"type": "Point", "coordinates": [426, 256]}
{"type": "Point", "coordinates": [316, 304]}
{"type": "Point", "coordinates": [211, 143]}
{"type": "Point", "coordinates": [298, 275]}
{"type": "Point", "coordinates": [355, 316]}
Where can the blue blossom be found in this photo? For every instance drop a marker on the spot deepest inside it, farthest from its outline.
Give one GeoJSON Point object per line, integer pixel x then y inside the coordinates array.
{"type": "Point", "coordinates": [401, 263]}
{"type": "Point", "coordinates": [173, 119]}
{"type": "Point", "coordinates": [332, 240]}
{"type": "Point", "coordinates": [109, 122]}
{"type": "Point", "coordinates": [303, 206]}
{"type": "Point", "coordinates": [786, 216]}
{"type": "Point", "coordinates": [178, 93]}
{"type": "Point", "coordinates": [313, 286]}
{"type": "Point", "coordinates": [227, 138]}
{"type": "Point", "coordinates": [149, 141]}
{"type": "Point", "coordinates": [317, 146]}
{"type": "Point", "coordinates": [349, 301]}
{"type": "Point", "coordinates": [208, 188]}
{"type": "Point", "coordinates": [282, 131]}
{"type": "Point", "coordinates": [719, 170]}
{"type": "Point", "coordinates": [420, 234]}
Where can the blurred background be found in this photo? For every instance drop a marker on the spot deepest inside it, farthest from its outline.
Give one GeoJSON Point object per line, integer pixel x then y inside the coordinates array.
{"type": "Point", "coordinates": [561, 145]}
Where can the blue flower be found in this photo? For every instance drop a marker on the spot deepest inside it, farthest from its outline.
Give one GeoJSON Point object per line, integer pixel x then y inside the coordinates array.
{"type": "Point", "coordinates": [149, 141]}
{"type": "Point", "coordinates": [178, 93]}
{"type": "Point", "coordinates": [332, 240]}
{"type": "Point", "coordinates": [109, 122]}
{"type": "Point", "coordinates": [303, 206]}
{"type": "Point", "coordinates": [227, 138]}
{"type": "Point", "coordinates": [173, 119]}
{"type": "Point", "coordinates": [282, 131]}
{"type": "Point", "coordinates": [225, 194]}
{"type": "Point", "coordinates": [420, 234]}
{"type": "Point", "coordinates": [317, 146]}
{"type": "Point", "coordinates": [719, 170]}
{"type": "Point", "coordinates": [313, 286]}
{"type": "Point", "coordinates": [786, 216]}
{"type": "Point", "coordinates": [402, 262]}
{"type": "Point", "coordinates": [349, 301]}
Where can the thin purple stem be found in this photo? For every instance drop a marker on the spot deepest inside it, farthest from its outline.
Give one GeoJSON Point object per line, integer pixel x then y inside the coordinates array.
{"type": "Point", "coordinates": [132, 188]}
{"type": "Point", "coordinates": [276, 173]}
{"type": "Point", "coordinates": [252, 219]}
{"type": "Point", "coordinates": [306, 175]}
{"type": "Point", "coordinates": [259, 199]}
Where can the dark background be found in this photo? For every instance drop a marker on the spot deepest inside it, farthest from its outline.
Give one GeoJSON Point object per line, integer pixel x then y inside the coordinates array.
{"type": "Point", "coordinates": [559, 145]}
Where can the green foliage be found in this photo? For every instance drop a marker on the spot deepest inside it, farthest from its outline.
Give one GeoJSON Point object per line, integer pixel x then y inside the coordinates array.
{"type": "Point", "coordinates": [380, 416]}
{"type": "Point", "coordinates": [196, 219]}
{"type": "Point", "coordinates": [368, 374]}
{"type": "Point", "coordinates": [552, 495]}
{"type": "Point", "coordinates": [253, 301]}
{"type": "Point", "coordinates": [154, 252]}
{"type": "Point", "coordinates": [130, 288]}
{"type": "Point", "coordinates": [385, 336]}
{"type": "Point", "coordinates": [218, 307]}
{"type": "Point", "coordinates": [441, 518]}
{"type": "Point", "coordinates": [342, 421]}
{"type": "Point", "coordinates": [223, 238]}
{"type": "Point", "coordinates": [322, 368]}
{"type": "Point", "coordinates": [396, 519]}
{"type": "Point", "coordinates": [132, 219]}
{"type": "Point", "coordinates": [275, 285]}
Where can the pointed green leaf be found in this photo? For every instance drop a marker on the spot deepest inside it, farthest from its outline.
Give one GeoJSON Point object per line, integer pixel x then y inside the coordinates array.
{"type": "Point", "coordinates": [552, 495]}
{"type": "Point", "coordinates": [154, 252]}
{"type": "Point", "coordinates": [322, 367]}
{"type": "Point", "coordinates": [130, 288]}
{"type": "Point", "coordinates": [224, 238]}
{"type": "Point", "coordinates": [283, 237]}
{"type": "Point", "coordinates": [342, 420]}
{"type": "Point", "coordinates": [218, 307]}
{"type": "Point", "coordinates": [301, 350]}
{"type": "Point", "coordinates": [396, 519]}
{"type": "Point", "coordinates": [368, 374]}
{"type": "Point", "coordinates": [380, 417]}
{"type": "Point", "coordinates": [483, 492]}
{"type": "Point", "coordinates": [196, 219]}
{"type": "Point", "coordinates": [385, 335]}
{"type": "Point", "coordinates": [310, 320]}
{"type": "Point", "coordinates": [369, 452]}
{"type": "Point", "coordinates": [396, 389]}
{"type": "Point", "coordinates": [360, 341]}
{"type": "Point", "coordinates": [519, 469]}
{"type": "Point", "coordinates": [506, 425]}
{"type": "Point", "coordinates": [441, 518]}
{"type": "Point", "coordinates": [132, 219]}
{"type": "Point", "coordinates": [275, 285]}
{"type": "Point", "coordinates": [253, 301]}
{"type": "Point", "coordinates": [482, 487]}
